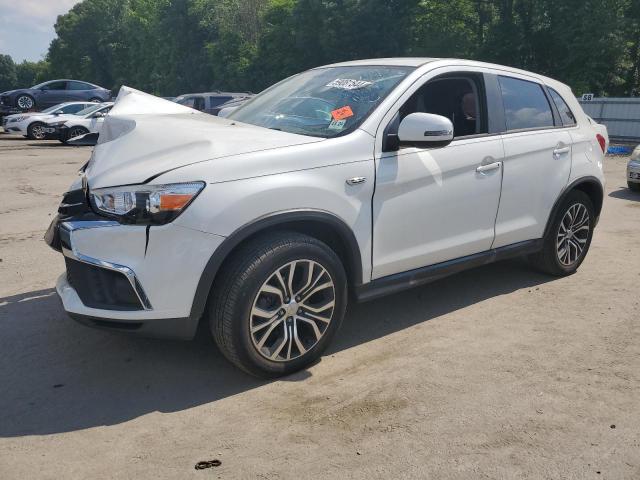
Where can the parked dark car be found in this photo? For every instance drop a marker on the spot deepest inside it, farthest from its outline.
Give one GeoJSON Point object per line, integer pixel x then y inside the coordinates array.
{"type": "Point", "coordinates": [51, 93]}
{"type": "Point", "coordinates": [211, 102]}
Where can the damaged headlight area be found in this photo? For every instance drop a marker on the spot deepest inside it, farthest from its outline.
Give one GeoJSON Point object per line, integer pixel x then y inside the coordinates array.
{"type": "Point", "coordinates": [145, 204]}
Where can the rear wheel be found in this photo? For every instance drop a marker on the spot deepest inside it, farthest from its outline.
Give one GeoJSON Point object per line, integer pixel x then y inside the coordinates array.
{"type": "Point", "coordinates": [569, 237]}
{"type": "Point", "coordinates": [278, 303]}
{"type": "Point", "coordinates": [634, 186]}
{"type": "Point", "coordinates": [35, 131]}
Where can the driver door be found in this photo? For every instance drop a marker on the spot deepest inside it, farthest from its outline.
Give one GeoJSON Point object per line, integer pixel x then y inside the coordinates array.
{"type": "Point", "coordinates": [52, 94]}
{"type": "Point", "coordinates": [432, 205]}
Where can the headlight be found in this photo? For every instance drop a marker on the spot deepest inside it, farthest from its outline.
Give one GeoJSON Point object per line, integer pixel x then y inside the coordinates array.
{"type": "Point", "coordinates": [145, 204]}
{"type": "Point", "coordinates": [17, 119]}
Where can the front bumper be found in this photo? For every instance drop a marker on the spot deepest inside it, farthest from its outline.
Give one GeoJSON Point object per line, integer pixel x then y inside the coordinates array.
{"type": "Point", "coordinates": [55, 133]}
{"type": "Point", "coordinates": [119, 278]}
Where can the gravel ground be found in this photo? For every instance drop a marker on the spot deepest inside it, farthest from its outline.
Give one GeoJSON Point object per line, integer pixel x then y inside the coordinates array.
{"type": "Point", "coordinates": [499, 372]}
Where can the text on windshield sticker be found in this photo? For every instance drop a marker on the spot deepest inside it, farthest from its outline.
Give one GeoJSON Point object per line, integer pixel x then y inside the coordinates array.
{"type": "Point", "coordinates": [337, 125]}
{"type": "Point", "coordinates": [342, 113]}
{"type": "Point", "coordinates": [348, 84]}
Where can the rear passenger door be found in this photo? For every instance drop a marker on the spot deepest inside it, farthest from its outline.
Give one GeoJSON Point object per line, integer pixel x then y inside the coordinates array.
{"type": "Point", "coordinates": [78, 90]}
{"type": "Point", "coordinates": [537, 160]}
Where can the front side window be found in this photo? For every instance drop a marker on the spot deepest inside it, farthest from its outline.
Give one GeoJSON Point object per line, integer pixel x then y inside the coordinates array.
{"type": "Point", "coordinates": [191, 102]}
{"type": "Point", "coordinates": [525, 104]}
{"type": "Point", "coordinates": [459, 98]}
{"type": "Point", "coordinates": [324, 102]}
{"type": "Point", "coordinates": [568, 120]}
{"type": "Point", "coordinates": [53, 86]}
{"type": "Point", "coordinates": [215, 101]}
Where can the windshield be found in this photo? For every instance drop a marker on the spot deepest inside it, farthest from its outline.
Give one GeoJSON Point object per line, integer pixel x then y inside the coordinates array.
{"type": "Point", "coordinates": [324, 102]}
{"type": "Point", "coordinates": [90, 109]}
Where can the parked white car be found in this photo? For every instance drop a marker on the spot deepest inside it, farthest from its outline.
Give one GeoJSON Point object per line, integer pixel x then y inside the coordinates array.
{"type": "Point", "coordinates": [89, 120]}
{"type": "Point", "coordinates": [30, 124]}
{"type": "Point", "coordinates": [353, 180]}
{"type": "Point", "coordinates": [633, 170]}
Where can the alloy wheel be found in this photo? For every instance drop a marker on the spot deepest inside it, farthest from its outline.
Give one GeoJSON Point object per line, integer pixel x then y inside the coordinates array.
{"type": "Point", "coordinates": [292, 310]}
{"type": "Point", "coordinates": [573, 234]}
{"type": "Point", "coordinates": [37, 132]}
{"type": "Point", "coordinates": [76, 132]}
{"type": "Point", "coordinates": [25, 102]}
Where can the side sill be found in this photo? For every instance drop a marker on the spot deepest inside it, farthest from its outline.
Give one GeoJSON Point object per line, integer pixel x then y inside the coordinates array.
{"type": "Point", "coordinates": [420, 276]}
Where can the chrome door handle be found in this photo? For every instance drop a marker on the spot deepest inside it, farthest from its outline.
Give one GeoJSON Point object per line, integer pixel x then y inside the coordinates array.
{"type": "Point", "coordinates": [561, 151]}
{"type": "Point", "coordinates": [356, 180]}
{"type": "Point", "coordinates": [488, 167]}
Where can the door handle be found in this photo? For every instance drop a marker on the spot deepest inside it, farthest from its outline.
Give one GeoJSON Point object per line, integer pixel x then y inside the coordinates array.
{"type": "Point", "coordinates": [561, 151]}
{"type": "Point", "coordinates": [488, 167]}
{"type": "Point", "coordinates": [356, 180]}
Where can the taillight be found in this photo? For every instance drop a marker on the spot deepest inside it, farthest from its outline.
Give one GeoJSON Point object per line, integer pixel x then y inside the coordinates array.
{"type": "Point", "coordinates": [602, 142]}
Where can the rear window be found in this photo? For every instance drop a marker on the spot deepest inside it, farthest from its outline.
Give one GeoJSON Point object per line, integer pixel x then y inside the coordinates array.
{"type": "Point", "coordinates": [525, 104]}
{"type": "Point", "coordinates": [215, 101]}
{"type": "Point", "coordinates": [566, 114]}
{"type": "Point", "coordinates": [78, 86]}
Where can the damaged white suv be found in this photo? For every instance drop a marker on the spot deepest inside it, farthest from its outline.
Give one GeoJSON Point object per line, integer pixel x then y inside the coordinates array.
{"type": "Point", "coordinates": [353, 180]}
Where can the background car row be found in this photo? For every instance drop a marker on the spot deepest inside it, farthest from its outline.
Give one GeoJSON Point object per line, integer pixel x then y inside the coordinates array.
{"type": "Point", "coordinates": [48, 94]}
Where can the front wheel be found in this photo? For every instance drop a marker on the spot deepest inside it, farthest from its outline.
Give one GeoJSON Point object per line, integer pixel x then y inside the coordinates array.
{"type": "Point", "coordinates": [74, 132]}
{"type": "Point", "coordinates": [35, 131]}
{"type": "Point", "coordinates": [569, 237]}
{"type": "Point", "coordinates": [278, 303]}
{"type": "Point", "coordinates": [634, 186]}
{"type": "Point", "coordinates": [25, 102]}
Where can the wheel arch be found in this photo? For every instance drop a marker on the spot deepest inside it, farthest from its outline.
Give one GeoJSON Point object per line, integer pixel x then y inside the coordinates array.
{"type": "Point", "coordinates": [591, 186]}
{"type": "Point", "coordinates": [319, 224]}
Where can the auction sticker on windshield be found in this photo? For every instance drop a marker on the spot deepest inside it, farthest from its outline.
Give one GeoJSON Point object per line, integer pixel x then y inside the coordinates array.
{"type": "Point", "coordinates": [348, 83]}
{"type": "Point", "coordinates": [337, 124]}
{"type": "Point", "coordinates": [342, 113]}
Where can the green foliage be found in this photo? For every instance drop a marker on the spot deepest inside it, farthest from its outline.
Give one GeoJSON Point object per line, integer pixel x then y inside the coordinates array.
{"type": "Point", "coordinates": [7, 73]}
{"type": "Point", "coordinates": [169, 47]}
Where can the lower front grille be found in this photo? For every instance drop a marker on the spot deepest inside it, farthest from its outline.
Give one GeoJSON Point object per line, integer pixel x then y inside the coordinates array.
{"type": "Point", "coordinates": [100, 287]}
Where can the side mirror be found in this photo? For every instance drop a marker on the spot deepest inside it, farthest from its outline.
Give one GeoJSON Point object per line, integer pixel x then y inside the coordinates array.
{"type": "Point", "coordinates": [99, 115]}
{"type": "Point", "coordinates": [425, 130]}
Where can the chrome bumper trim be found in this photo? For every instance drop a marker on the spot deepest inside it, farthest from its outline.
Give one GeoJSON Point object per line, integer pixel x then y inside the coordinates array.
{"type": "Point", "coordinates": [71, 252]}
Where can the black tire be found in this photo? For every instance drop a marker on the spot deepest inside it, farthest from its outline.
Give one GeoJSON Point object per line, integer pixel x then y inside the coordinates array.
{"type": "Point", "coordinates": [548, 259]}
{"type": "Point", "coordinates": [25, 102]}
{"type": "Point", "coordinates": [238, 288]}
{"type": "Point", "coordinates": [74, 132]}
{"type": "Point", "coordinates": [34, 131]}
{"type": "Point", "coordinates": [634, 186]}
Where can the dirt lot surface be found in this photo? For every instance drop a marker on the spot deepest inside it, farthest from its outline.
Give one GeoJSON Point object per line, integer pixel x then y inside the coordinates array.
{"type": "Point", "coordinates": [498, 372]}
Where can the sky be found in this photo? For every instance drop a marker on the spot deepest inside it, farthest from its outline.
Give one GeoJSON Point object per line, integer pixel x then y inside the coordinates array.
{"type": "Point", "coordinates": [26, 26]}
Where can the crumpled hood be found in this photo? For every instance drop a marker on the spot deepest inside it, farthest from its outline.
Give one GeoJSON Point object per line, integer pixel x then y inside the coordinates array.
{"type": "Point", "coordinates": [144, 136]}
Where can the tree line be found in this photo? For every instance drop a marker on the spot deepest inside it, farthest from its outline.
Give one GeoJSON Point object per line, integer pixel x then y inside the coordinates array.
{"type": "Point", "coordinates": [168, 47]}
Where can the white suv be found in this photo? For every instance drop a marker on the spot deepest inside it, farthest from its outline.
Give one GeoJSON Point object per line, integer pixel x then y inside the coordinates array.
{"type": "Point", "coordinates": [353, 180]}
